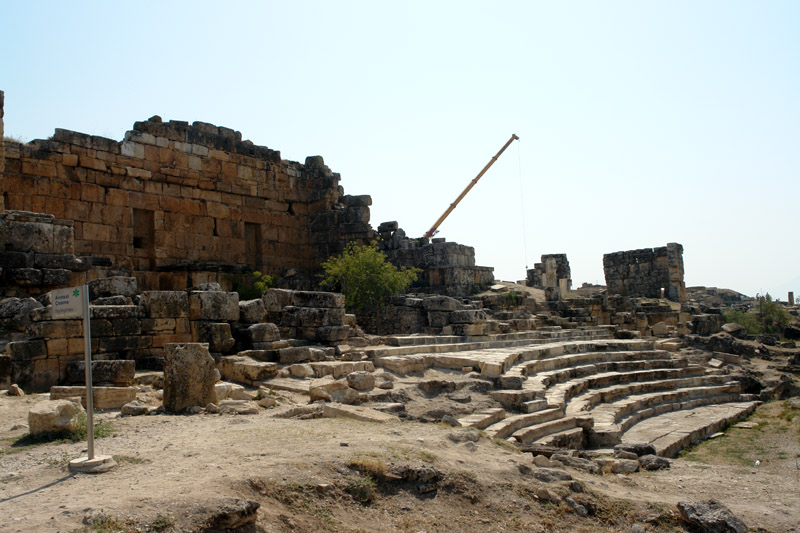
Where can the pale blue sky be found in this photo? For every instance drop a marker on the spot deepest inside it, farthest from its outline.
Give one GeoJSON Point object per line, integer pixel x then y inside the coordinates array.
{"type": "Point", "coordinates": [641, 123]}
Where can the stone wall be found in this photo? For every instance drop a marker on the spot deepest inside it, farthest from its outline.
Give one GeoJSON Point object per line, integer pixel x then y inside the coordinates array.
{"type": "Point", "coordinates": [447, 267]}
{"type": "Point", "coordinates": [173, 198]}
{"type": "Point", "coordinates": [127, 324]}
{"type": "Point", "coordinates": [646, 272]}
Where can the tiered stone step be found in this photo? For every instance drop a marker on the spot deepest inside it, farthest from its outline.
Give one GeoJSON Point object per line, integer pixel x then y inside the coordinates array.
{"type": "Point", "coordinates": [537, 433]}
{"type": "Point", "coordinates": [674, 431]}
{"type": "Point", "coordinates": [492, 362]}
{"type": "Point", "coordinates": [558, 395]}
{"type": "Point", "coordinates": [512, 424]}
{"type": "Point", "coordinates": [613, 419]}
{"type": "Point", "coordinates": [483, 419]}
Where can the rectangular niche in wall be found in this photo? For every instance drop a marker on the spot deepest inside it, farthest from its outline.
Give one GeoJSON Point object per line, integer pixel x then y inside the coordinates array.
{"type": "Point", "coordinates": [252, 245]}
{"type": "Point", "coordinates": [144, 239]}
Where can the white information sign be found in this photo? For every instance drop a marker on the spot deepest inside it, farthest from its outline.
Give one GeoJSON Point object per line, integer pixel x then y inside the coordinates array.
{"type": "Point", "coordinates": [68, 303]}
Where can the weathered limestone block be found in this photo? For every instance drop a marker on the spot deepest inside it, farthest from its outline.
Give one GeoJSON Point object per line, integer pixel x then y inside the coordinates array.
{"type": "Point", "coordinates": [56, 276]}
{"type": "Point", "coordinates": [276, 299]}
{"type": "Point", "coordinates": [244, 369]}
{"type": "Point", "coordinates": [216, 334]}
{"type": "Point", "coordinates": [331, 390]}
{"type": "Point", "coordinates": [296, 354]}
{"type": "Point", "coordinates": [213, 305]}
{"type": "Point", "coordinates": [26, 350]}
{"type": "Point", "coordinates": [52, 416]}
{"type": "Point", "coordinates": [467, 316]}
{"type": "Point", "coordinates": [189, 376]}
{"type": "Point", "coordinates": [114, 311]}
{"type": "Point", "coordinates": [361, 380]}
{"type": "Point", "coordinates": [165, 304]}
{"type": "Point", "coordinates": [134, 408]}
{"type": "Point", "coordinates": [469, 330]}
{"type": "Point", "coordinates": [440, 303]}
{"type": "Point", "coordinates": [120, 372]}
{"type": "Point", "coordinates": [15, 313]}
{"type": "Point", "coordinates": [264, 332]}
{"type": "Point", "coordinates": [252, 311]}
{"type": "Point", "coordinates": [26, 277]}
{"type": "Point", "coordinates": [103, 397]}
{"type": "Point", "coordinates": [312, 317]}
{"type": "Point", "coordinates": [317, 299]}
{"type": "Point", "coordinates": [113, 286]}
{"type": "Point", "coordinates": [121, 343]}
{"type": "Point", "coordinates": [331, 333]}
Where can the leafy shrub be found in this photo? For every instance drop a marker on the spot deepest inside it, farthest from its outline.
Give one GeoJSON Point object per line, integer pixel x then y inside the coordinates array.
{"type": "Point", "coordinates": [768, 317]}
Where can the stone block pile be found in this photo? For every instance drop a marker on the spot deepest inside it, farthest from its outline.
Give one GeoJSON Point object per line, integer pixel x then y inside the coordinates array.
{"type": "Point", "coordinates": [447, 267]}
{"type": "Point", "coordinates": [128, 325]}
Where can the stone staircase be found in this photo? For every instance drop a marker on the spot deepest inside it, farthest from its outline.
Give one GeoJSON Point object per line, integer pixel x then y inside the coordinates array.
{"type": "Point", "coordinates": [575, 388]}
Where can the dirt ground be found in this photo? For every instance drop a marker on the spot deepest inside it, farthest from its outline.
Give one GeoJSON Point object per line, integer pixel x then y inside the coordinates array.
{"type": "Point", "coordinates": [312, 475]}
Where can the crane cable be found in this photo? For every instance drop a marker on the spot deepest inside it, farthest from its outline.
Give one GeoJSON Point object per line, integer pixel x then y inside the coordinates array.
{"type": "Point", "coordinates": [522, 203]}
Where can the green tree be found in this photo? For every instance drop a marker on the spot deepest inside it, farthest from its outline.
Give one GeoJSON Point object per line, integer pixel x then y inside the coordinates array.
{"type": "Point", "coordinates": [366, 278]}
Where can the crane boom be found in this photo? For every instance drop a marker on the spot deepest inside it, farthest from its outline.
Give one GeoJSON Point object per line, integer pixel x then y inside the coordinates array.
{"type": "Point", "coordinates": [435, 228]}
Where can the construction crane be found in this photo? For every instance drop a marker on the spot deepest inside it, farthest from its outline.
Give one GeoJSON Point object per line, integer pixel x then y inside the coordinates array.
{"type": "Point", "coordinates": [435, 228]}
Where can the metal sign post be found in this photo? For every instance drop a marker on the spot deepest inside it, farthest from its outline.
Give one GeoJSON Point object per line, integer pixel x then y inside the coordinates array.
{"type": "Point", "coordinates": [74, 303]}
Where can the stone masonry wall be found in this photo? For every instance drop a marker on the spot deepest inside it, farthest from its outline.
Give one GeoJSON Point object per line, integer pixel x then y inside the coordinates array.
{"type": "Point", "coordinates": [173, 194]}
{"type": "Point", "coordinates": [447, 267]}
{"type": "Point", "coordinates": [646, 272]}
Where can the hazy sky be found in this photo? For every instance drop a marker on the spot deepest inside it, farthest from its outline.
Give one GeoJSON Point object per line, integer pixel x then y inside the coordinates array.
{"type": "Point", "coordinates": [641, 122]}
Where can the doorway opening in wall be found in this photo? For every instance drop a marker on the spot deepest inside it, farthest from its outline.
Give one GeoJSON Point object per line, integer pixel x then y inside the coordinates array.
{"type": "Point", "coordinates": [662, 292]}
{"type": "Point", "coordinates": [252, 245]}
{"type": "Point", "coordinates": [144, 239]}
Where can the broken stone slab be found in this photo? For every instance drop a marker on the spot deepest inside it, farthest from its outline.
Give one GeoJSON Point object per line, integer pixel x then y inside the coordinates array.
{"type": "Point", "coordinates": [244, 369]}
{"type": "Point", "coordinates": [551, 475]}
{"type": "Point", "coordinates": [364, 414]}
{"type": "Point", "coordinates": [654, 462]}
{"type": "Point", "coordinates": [15, 390]}
{"type": "Point", "coordinates": [577, 462]}
{"type": "Point", "coordinates": [135, 408]}
{"type": "Point", "coordinates": [54, 416]}
{"type": "Point", "coordinates": [464, 435]}
{"type": "Point", "coordinates": [711, 516]}
{"type": "Point", "coordinates": [214, 306]}
{"type": "Point", "coordinates": [120, 372]}
{"type": "Point", "coordinates": [441, 303]}
{"type": "Point", "coordinates": [237, 407]}
{"type": "Point", "coordinates": [331, 390]}
{"type": "Point", "coordinates": [361, 380]}
{"type": "Point", "coordinates": [295, 354]}
{"type": "Point", "coordinates": [329, 334]}
{"type": "Point", "coordinates": [189, 376]}
{"type": "Point", "coordinates": [102, 397]}
{"type": "Point", "coordinates": [112, 286]}
{"type": "Point", "coordinates": [638, 449]}
{"type": "Point", "coordinates": [618, 465]}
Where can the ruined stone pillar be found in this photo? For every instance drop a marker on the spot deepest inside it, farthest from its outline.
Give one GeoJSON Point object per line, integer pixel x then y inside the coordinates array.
{"type": "Point", "coordinates": [2, 156]}
{"type": "Point", "coordinates": [791, 298]}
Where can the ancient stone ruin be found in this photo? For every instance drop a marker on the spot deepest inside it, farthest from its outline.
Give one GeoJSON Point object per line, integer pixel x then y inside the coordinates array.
{"type": "Point", "coordinates": [648, 272]}
{"type": "Point", "coordinates": [552, 274]}
{"type": "Point", "coordinates": [159, 225]}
